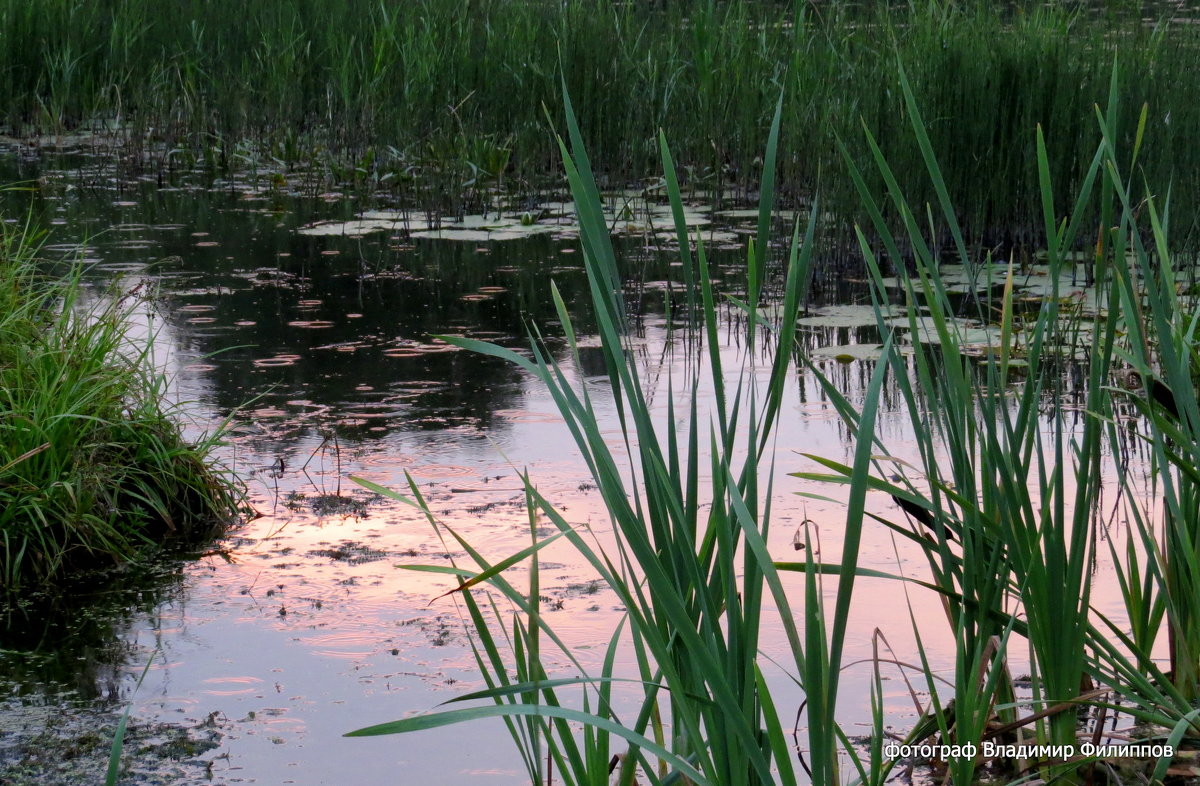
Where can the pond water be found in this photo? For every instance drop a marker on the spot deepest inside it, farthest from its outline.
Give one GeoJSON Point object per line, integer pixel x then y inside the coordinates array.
{"type": "Point", "coordinates": [303, 623]}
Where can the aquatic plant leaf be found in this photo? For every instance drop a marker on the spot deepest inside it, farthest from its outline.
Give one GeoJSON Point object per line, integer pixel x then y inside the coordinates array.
{"type": "Point", "coordinates": [846, 353]}
{"type": "Point", "coordinates": [360, 227]}
{"type": "Point", "coordinates": [114, 757]}
{"type": "Point", "coordinates": [516, 689]}
{"type": "Point", "coordinates": [503, 565]}
{"type": "Point", "coordinates": [830, 569]}
{"type": "Point", "coordinates": [847, 316]}
{"type": "Point", "coordinates": [384, 491]}
{"type": "Point", "coordinates": [449, 717]}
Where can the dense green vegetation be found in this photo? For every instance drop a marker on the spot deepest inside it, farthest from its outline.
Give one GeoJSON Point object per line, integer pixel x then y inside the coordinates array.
{"type": "Point", "coordinates": [438, 99]}
{"type": "Point", "coordinates": [443, 100]}
{"type": "Point", "coordinates": [691, 564]}
{"type": "Point", "coordinates": [1004, 495]}
{"type": "Point", "coordinates": [93, 470]}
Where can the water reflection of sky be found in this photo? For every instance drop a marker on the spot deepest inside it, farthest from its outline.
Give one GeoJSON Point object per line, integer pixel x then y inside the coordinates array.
{"type": "Point", "coordinates": [307, 623]}
{"type": "Point", "coordinates": [315, 628]}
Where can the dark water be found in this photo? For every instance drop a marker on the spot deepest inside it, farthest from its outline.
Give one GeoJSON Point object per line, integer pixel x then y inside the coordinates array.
{"type": "Point", "coordinates": [304, 623]}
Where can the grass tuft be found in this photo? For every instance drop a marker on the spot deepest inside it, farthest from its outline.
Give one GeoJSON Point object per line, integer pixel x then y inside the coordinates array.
{"type": "Point", "coordinates": [93, 469]}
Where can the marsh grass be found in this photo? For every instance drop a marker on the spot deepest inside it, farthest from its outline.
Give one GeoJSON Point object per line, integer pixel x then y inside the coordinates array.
{"type": "Point", "coordinates": [441, 101]}
{"type": "Point", "coordinates": [93, 470]}
{"type": "Point", "coordinates": [689, 561]}
{"type": "Point", "coordinates": [1011, 498]}
{"type": "Point", "coordinates": [1007, 494]}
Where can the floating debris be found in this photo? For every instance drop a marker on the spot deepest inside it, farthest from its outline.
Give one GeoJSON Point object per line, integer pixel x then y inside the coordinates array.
{"type": "Point", "coordinates": [278, 360]}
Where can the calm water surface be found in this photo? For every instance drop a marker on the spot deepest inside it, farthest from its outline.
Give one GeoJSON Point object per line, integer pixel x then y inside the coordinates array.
{"type": "Point", "coordinates": [303, 623]}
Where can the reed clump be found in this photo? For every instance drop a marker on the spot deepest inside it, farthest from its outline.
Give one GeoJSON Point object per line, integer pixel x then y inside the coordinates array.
{"type": "Point", "coordinates": [93, 468]}
{"type": "Point", "coordinates": [437, 100]}
{"type": "Point", "coordinates": [690, 516]}
{"type": "Point", "coordinates": [1006, 494]}
{"type": "Point", "coordinates": [1008, 498]}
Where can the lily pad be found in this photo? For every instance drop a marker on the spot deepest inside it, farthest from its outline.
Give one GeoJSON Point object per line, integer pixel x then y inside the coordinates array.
{"type": "Point", "coordinates": [752, 213]}
{"type": "Point", "coordinates": [657, 219]}
{"type": "Point", "coordinates": [557, 208]}
{"type": "Point", "coordinates": [631, 214]}
{"type": "Point", "coordinates": [514, 232]}
{"type": "Point", "coordinates": [968, 334]}
{"type": "Point", "coordinates": [415, 218]}
{"type": "Point", "coordinates": [360, 227]}
{"type": "Point", "coordinates": [846, 316]}
{"type": "Point", "coordinates": [848, 353]}
{"type": "Point", "coordinates": [477, 229]}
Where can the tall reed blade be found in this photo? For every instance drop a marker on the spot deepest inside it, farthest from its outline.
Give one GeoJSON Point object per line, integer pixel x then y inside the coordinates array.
{"type": "Point", "coordinates": [688, 565]}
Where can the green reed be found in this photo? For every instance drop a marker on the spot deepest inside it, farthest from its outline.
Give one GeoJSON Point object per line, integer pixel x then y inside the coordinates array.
{"type": "Point", "coordinates": [1155, 291]}
{"type": "Point", "coordinates": [688, 561]}
{"type": "Point", "coordinates": [1006, 492]}
{"type": "Point", "coordinates": [1006, 499]}
{"type": "Point", "coordinates": [450, 93]}
{"type": "Point", "coordinates": [93, 470]}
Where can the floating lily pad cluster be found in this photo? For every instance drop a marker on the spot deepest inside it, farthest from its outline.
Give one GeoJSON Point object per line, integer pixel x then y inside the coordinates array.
{"type": "Point", "coordinates": [629, 213]}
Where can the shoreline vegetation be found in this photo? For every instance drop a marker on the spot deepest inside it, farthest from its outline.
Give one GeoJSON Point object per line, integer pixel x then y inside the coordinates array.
{"type": "Point", "coordinates": [443, 104]}
{"type": "Point", "coordinates": [954, 132]}
{"type": "Point", "coordinates": [94, 470]}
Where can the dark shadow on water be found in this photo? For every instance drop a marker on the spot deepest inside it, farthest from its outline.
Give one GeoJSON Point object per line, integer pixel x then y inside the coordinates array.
{"type": "Point", "coordinates": [71, 641]}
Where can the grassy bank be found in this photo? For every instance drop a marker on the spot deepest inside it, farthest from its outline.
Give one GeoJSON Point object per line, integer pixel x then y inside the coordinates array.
{"type": "Point", "coordinates": [93, 470]}
{"type": "Point", "coordinates": [438, 99]}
